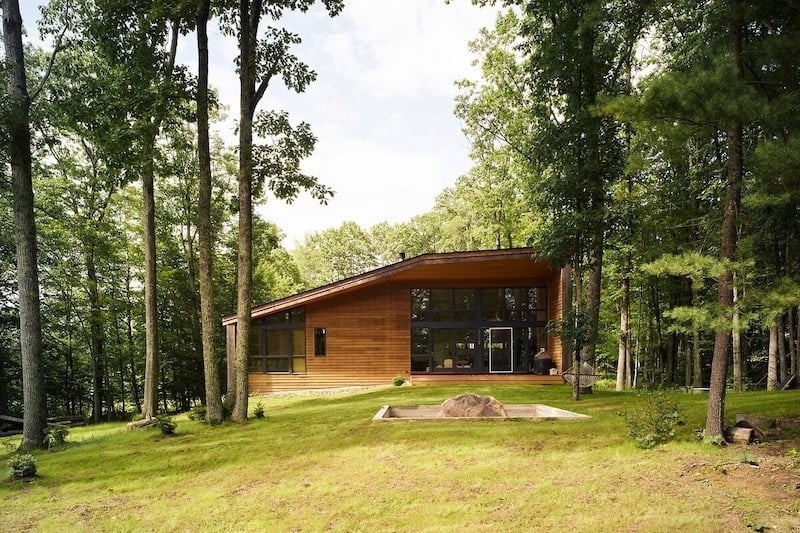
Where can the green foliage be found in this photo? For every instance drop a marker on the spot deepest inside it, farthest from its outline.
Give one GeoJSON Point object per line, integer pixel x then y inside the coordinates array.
{"type": "Point", "coordinates": [21, 466]}
{"type": "Point", "coordinates": [398, 381]}
{"type": "Point", "coordinates": [165, 424]}
{"type": "Point", "coordinates": [653, 420]}
{"type": "Point", "coordinates": [794, 455]}
{"type": "Point", "coordinates": [198, 413]}
{"type": "Point", "coordinates": [605, 385]}
{"type": "Point", "coordinates": [716, 440]}
{"type": "Point", "coordinates": [258, 412]}
{"type": "Point", "coordinates": [55, 435]}
{"type": "Point", "coordinates": [749, 458]}
{"type": "Point", "coordinates": [335, 254]}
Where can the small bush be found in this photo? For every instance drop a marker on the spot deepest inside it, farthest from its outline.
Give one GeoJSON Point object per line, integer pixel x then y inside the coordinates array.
{"type": "Point", "coordinates": [166, 425]}
{"type": "Point", "coordinates": [198, 413]}
{"type": "Point", "coordinates": [794, 455]}
{"type": "Point", "coordinates": [55, 436]}
{"type": "Point", "coordinates": [21, 466]}
{"type": "Point", "coordinates": [605, 384]}
{"type": "Point", "coordinates": [258, 412]}
{"type": "Point", "coordinates": [653, 421]}
{"type": "Point", "coordinates": [398, 381]}
{"type": "Point", "coordinates": [749, 458]}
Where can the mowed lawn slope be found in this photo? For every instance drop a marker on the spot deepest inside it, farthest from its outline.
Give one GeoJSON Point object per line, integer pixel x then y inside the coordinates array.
{"type": "Point", "coordinates": [319, 463]}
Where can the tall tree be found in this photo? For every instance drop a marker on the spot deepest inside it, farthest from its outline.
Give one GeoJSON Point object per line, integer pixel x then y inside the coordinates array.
{"type": "Point", "coordinates": [573, 54]}
{"type": "Point", "coordinates": [18, 134]}
{"type": "Point", "coordinates": [140, 41]}
{"type": "Point", "coordinates": [259, 61]}
{"type": "Point", "coordinates": [213, 394]}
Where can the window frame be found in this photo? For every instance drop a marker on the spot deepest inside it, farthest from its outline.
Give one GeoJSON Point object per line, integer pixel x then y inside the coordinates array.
{"type": "Point", "coordinates": [523, 308]}
{"type": "Point", "coordinates": [290, 323]}
{"type": "Point", "coordinates": [320, 342]}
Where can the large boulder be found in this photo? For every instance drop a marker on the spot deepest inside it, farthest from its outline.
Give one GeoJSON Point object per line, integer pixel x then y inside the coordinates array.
{"type": "Point", "coordinates": [471, 405]}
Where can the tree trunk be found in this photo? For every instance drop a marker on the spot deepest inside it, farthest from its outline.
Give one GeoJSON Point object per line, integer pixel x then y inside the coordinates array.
{"type": "Point", "coordinates": [797, 344]}
{"type": "Point", "coordinates": [593, 308]}
{"type": "Point", "coordinates": [697, 363]}
{"type": "Point", "coordinates": [244, 278]}
{"type": "Point", "coordinates": [30, 324]}
{"type": "Point", "coordinates": [578, 326]}
{"type": "Point", "coordinates": [566, 313]}
{"type": "Point", "coordinates": [151, 362]}
{"type": "Point", "coordinates": [790, 327]}
{"type": "Point", "coordinates": [715, 419]}
{"type": "Point", "coordinates": [772, 358]}
{"type": "Point", "coordinates": [781, 345]}
{"type": "Point", "coordinates": [214, 413]}
{"type": "Point", "coordinates": [684, 352]}
{"type": "Point", "coordinates": [624, 333]}
{"type": "Point", "coordinates": [96, 342]}
{"type": "Point", "coordinates": [129, 341]}
{"type": "Point", "coordinates": [737, 342]}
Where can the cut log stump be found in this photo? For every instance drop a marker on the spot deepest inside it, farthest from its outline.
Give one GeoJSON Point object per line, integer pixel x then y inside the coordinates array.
{"type": "Point", "coordinates": [143, 423]}
{"type": "Point", "coordinates": [740, 435]}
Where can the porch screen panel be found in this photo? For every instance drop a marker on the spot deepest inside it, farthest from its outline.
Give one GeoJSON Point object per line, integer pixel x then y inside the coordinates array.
{"type": "Point", "coordinates": [277, 343]}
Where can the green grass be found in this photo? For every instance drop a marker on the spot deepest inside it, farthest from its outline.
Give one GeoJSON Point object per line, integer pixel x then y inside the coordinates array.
{"type": "Point", "coordinates": [319, 463]}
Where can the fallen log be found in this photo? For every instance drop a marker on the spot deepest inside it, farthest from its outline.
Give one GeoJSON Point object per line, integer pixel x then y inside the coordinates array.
{"type": "Point", "coordinates": [12, 419]}
{"type": "Point", "coordinates": [143, 423]}
{"type": "Point", "coordinates": [739, 435]}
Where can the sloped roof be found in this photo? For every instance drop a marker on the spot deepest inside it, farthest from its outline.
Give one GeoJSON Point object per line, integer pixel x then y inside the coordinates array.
{"type": "Point", "coordinates": [512, 263]}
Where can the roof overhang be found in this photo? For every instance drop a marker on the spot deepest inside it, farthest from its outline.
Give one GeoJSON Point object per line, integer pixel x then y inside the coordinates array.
{"type": "Point", "coordinates": [509, 264]}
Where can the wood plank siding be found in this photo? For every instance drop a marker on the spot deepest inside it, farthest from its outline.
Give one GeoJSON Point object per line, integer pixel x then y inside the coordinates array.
{"type": "Point", "coordinates": [368, 342]}
{"type": "Point", "coordinates": [367, 320]}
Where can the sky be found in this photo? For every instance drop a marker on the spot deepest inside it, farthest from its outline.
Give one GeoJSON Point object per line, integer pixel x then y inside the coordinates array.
{"type": "Point", "coordinates": [381, 107]}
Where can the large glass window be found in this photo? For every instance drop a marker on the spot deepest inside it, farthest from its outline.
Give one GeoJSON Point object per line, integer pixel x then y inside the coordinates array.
{"type": "Point", "coordinates": [449, 326]}
{"type": "Point", "coordinates": [278, 343]}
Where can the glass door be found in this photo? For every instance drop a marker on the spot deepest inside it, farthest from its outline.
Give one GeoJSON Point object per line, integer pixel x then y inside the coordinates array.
{"type": "Point", "coordinates": [501, 350]}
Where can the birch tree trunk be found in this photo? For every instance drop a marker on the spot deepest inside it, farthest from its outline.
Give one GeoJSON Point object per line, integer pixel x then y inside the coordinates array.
{"type": "Point", "coordinates": [772, 358]}
{"type": "Point", "coordinates": [624, 333]}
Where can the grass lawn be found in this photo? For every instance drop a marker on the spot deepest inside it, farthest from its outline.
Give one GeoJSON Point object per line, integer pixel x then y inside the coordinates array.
{"type": "Point", "coordinates": [319, 463]}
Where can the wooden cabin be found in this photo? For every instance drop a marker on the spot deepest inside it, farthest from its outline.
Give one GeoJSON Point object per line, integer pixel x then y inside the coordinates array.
{"type": "Point", "coordinates": [437, 318]}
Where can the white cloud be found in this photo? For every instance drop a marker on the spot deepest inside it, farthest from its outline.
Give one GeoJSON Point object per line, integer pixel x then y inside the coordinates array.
{"type": "Point", "coordinates": [381, 108]}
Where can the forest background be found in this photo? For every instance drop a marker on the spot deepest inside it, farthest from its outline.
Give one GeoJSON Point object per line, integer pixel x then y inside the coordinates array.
{"type": "Point", "coordinates": [651, 148]}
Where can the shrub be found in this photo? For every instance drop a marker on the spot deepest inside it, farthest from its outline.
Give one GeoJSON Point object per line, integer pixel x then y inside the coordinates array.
{"type": "Point", "coordinates": [794, 455]}
{"type": "Point", "coordinates": [605, 384]}
{"type": "Point", "coordinates": [21, 466]}
{"type": "Point", "coordinates": [166, 425]}
{"type": "Point", "coordinates": [198, 413]}
{"type": "Point", "coordinates": [258, 412]}
{"type": "Point", "coordinates": [653, 420]}
{"type": "Point", "coordinates": [55, 436]}
{"type": "Point", "coordinates": [398, 381]}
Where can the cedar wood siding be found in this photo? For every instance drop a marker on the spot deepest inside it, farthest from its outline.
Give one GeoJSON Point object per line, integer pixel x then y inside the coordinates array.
{"type": "Point", "coordinates": [368, 325]}
{"type": "Point", "coordinates": [368, 342]}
